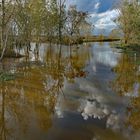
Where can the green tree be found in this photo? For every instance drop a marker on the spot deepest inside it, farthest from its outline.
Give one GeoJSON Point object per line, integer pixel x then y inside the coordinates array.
{"type": "Point", "coordinates": [7, 10]}
{"type": "Point", "coordinates": [129, 21]}
{"type": "Point", "coordinates": [75, 20]}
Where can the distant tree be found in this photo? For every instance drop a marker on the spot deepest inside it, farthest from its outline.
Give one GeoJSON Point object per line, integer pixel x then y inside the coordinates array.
{"type": "Point", "coordinates": [116, 33]}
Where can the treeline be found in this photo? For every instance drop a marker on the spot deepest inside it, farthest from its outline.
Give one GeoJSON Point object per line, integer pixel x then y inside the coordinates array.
{"type": "Point", "coordinates": [24, 21]}
{"type": "Point", "coordinates": [129, 21]}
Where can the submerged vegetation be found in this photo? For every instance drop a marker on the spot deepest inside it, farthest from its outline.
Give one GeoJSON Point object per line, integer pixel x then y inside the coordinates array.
{"type": "Point", "coordinates": [6, 76]}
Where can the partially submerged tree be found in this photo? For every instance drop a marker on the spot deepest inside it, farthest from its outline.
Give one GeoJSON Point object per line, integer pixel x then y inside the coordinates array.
{"type": "Point", "coordinates": [23, 22]}
{"type": "Point", "coordinates": [7, 12]}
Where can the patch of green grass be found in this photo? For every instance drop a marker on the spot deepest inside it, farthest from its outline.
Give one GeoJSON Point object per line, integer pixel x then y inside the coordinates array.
{"type": "Point", "coordinates": [5, 76]}
{"type": "Point", "coordinates": [138, 62]}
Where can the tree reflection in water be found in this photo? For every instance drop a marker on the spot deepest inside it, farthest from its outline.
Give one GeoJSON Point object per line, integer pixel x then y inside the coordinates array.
{"type": "Point", "coordinates": [127, 84]}
{"type": "Point", "coordinates": [30, 100]}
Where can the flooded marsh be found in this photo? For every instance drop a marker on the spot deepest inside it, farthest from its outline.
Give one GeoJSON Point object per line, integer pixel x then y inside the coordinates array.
{"type": "Point", "coordinates": [85, 92]}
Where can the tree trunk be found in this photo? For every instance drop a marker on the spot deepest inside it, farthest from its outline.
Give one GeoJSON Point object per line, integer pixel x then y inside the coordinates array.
{"type": "Point", "coordinates": [3, 30]}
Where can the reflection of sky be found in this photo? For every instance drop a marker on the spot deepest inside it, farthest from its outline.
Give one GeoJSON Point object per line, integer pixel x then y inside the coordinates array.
{"type": "Point", "coordinates": [104, 55]}
{"type": "Point", "coordinates": [92, 98]}
{"type": "Point", "coordinates": [32, 54]}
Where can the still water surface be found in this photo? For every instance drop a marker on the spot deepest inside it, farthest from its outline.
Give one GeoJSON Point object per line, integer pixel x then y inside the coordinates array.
{"type": "Point", "coordinates": [85, 92]}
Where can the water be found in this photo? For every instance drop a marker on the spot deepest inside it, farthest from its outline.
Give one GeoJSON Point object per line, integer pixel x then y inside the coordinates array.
{"type": "Point", "coordinates": [85, 92]}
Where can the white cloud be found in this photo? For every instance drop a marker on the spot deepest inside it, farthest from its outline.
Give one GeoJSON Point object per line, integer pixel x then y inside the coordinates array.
{"type": "Point", "coordinates": [97, 5]}
{"type": "Point", "coordinates": [85, 5]}
{"type": "Point", "coordinates": [104, 20]}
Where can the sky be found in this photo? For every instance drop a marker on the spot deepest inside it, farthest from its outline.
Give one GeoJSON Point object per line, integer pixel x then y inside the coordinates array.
{"type": "Point", "coordinates": [102, 13]}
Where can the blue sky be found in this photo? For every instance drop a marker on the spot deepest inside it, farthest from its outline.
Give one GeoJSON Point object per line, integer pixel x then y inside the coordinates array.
{"type": "Point", "coordinates": [101, 11]}
{"type": "Point", "coordinates": [89, 5]}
